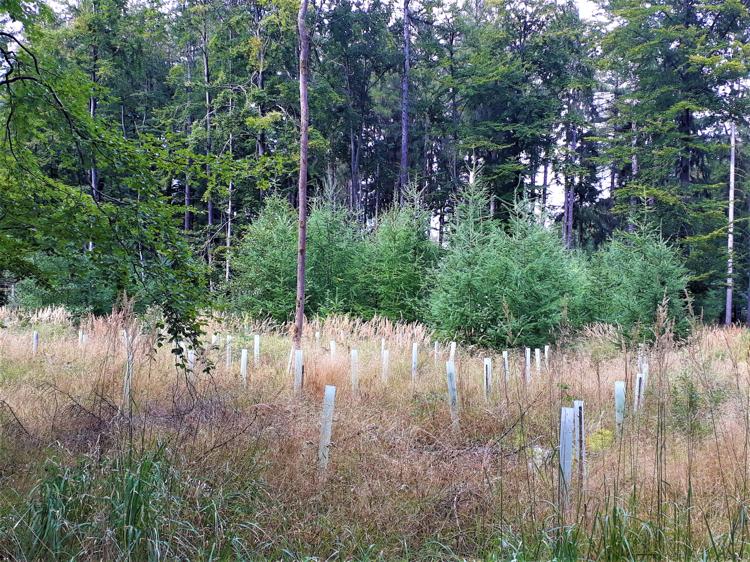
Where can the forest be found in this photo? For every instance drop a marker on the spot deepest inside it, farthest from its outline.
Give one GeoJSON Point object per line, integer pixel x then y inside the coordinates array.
{"type": "Point", "coordinates": [152, 149]}
{"type": "Point", "coordinates": [374, 280]}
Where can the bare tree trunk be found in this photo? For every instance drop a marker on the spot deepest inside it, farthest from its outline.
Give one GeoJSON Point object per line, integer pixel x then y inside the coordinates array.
{"type": "Point", "coordinates": [568, 213]}
{"type": "Point", "coordinates": [304, 61]}
{"type": "Point", "coordinates": [227, 256]}
{"type": "Point", "coordinates": [404, 165]}
{"type": "Point", "coordinates": [730, 229]}
{"type": "Point", "coordinates": [210, 210]}
{"type": "Point", "coordinates": [187, 222]}
{"type": "Point", "coordinates": [569, 198]}
{"type": "Point", "coordinates": [93, 172]}
{"type": "Point", "coordinates": [634, 174]}
{"type": "Point", "coordinates": [545, 185]}
{"type": "Point", "coordinates": [354, 149]}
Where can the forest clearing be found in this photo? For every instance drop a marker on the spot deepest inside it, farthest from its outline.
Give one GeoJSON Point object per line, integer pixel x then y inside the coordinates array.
{"type": "Point", "coordinates": [179, 463]}
{"type": "Point", "coordinates": [374, 280]}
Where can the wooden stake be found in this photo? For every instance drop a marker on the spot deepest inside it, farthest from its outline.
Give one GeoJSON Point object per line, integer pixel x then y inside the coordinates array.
{"type": "Point", "coordinates": [638, 392]}
{"type": "Point", "coordinates": [579, 444]}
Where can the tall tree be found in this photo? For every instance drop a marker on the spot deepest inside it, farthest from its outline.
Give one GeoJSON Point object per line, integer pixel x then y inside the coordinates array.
{"type": "Point", "coordinates": [730, 225]}
{"type": "Point", "coordinates": [403, 169]}
{"type": "Point", "coordinates": [304, 72]}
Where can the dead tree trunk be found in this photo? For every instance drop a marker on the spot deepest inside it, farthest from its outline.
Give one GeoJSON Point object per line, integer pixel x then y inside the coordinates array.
{"type": "Point", "coordinates": [730, 228]}
{"type": "Point", "coordinates": [404, 165]}
{"type": "Point", "coordinates": [304, 61]}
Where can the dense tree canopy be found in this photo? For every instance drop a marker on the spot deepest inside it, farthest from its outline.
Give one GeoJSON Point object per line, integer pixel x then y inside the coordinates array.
{"type": "Point", "coordinates": [142, 139]}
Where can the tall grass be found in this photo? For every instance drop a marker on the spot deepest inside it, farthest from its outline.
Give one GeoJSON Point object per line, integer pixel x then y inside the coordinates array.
{"type": "Point", "coordinates": [199, 467]}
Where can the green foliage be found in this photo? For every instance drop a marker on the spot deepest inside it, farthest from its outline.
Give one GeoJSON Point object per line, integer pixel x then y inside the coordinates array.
{"type": "Point", "coordinates": [692, 404]}
{"type": "Point", "coordinates": [75, 283]}
{"type": "Point", "coordinates": [131, 506]}
{"type": "Point", "coordinates": [501, 287]}
{"type": "Point", "coordinates": [333, 249]}
{"type": "Point", "coordinates": [382, 272]}
{"type": "Point", "coordinates": [266, 264]}
{"type": "Point", "coordinates": [393, 271]}
{"type": "Point", "coordinates": [632, 275]}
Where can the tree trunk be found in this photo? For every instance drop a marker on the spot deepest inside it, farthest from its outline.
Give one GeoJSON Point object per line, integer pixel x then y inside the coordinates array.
{"type": "Point", "coordinates": [569, 196]}
{"type": "Point", "coordinates": [227, 267]}
{"type": "Point", "coordinates": [210, 209]}
{"type": "Point", "coordinates": [730, 229]}
{"type": "Point", "coordinates": [633, 174]}
{"type": "Point", "coordinates": [304, 61]}
{"type": "Point", "coordinates": [404, 165]}
{"type": "Point", "coordinates": [354, 149]}
{"type": "Point", "coordinates": [93, 172]}
{"type": "Point", "coordinates": [187, 222]}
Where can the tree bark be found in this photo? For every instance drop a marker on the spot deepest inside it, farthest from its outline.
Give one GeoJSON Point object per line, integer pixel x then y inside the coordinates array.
{"type": "Point", "coordinates": [404, 165]}
{"type": "Point", "coordinates": [730, 228]}
{"type": "Point", "coordinates": [569, 196]}
{"type": "Point", "coordinates": [210, 209]}
{"type": "Point", "coordinates": [354, 150]}
{"type": "Point", "coordinates": [304, 61]}
{"type": "Point", "coordinates": [633, 174]}
{"type": "Point", "coordinates": [187, 221]}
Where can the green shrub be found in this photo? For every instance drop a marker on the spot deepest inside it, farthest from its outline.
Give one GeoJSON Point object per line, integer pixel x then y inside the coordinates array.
{"type": "Point", "coordinates": [71, 280]}
{"type": "Point", "coordinates": [501, 287]}
{"type": "Point", "coordinates": [333, 246]}
{"type": "Point", "coordinates": [632, 275]}
{"type": "Point", "coordinates": [394, 268]}
{"type": "Point", "coordinates": [382, 272]}
{"type": "Point", "coordinates": [264, 282]}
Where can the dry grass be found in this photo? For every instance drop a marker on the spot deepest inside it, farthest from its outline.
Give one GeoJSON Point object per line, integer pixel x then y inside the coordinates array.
{"type": "Point", "coordinates": [239, 464]}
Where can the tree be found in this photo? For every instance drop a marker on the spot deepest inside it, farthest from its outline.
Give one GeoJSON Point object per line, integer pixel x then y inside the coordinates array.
{"type": "Point", "coordinates": [304, 61]}
{"type": "Point", "coordinates": [404, 160]}
{"type": "Point", "coordinates": [730, 226]}
{"type": "Point", "coordinates": [681, 61]}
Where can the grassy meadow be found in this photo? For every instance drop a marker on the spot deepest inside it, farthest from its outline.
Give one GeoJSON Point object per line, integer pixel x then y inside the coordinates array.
{"type": "Point", "coordinates": [197, 465]}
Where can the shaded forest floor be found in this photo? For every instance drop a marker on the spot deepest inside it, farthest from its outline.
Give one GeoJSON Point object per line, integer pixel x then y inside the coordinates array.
{"type": "Point", "coordinates": [200, 466]}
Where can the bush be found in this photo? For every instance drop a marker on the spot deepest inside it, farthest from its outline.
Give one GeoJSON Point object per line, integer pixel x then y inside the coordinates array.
{"type": "Point", "coordinates": [333, 247]}
{"type": "Point", "coordinates": [264, 282]}
{"type": "Point", "coordinates": [499, 287]}
{"type": "Point", "coordinates": [346, 271]}
{"type": "Point", "coordinates": [633, 274]}
{"type": "Point", "coordinates": [71, 280]}
{"type": "Point", "coordinates": [394, 269]}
